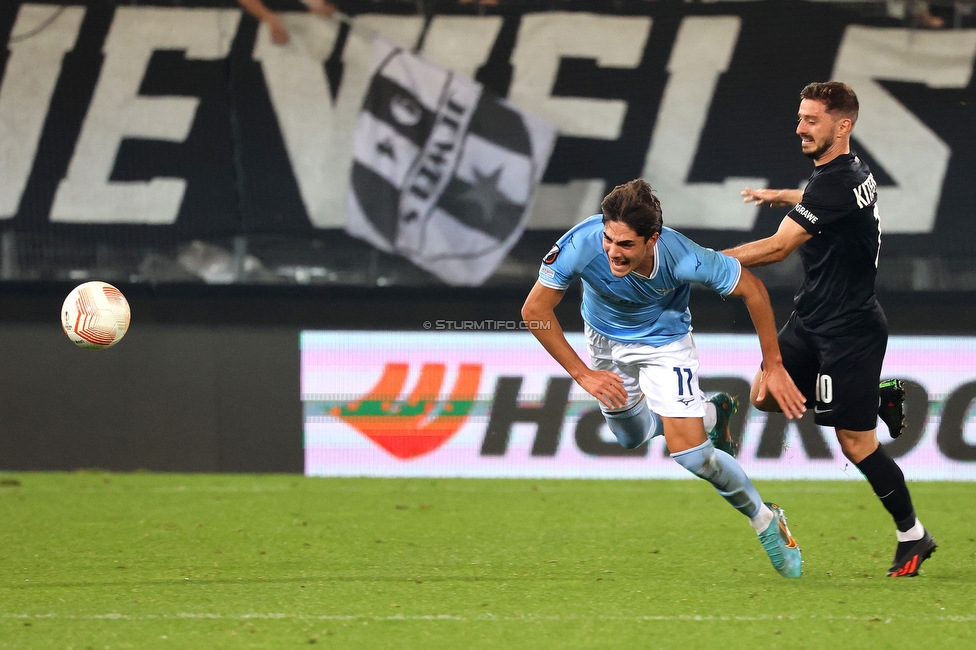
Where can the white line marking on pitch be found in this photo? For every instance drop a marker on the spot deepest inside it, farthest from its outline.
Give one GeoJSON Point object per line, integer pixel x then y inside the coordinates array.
{"type": "Point", "coordinates": [482, 617]}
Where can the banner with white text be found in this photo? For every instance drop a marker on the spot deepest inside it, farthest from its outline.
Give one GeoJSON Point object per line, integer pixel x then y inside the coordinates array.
{"type": "Point", "coordinates": [125, 128]}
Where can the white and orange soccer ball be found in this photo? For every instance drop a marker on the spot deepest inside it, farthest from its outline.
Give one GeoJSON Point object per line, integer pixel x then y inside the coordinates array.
{"type": "Point", "coordinates": [95, 315]}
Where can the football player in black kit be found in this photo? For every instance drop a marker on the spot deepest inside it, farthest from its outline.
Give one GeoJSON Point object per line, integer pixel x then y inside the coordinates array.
{"type": "Point", "coordinates": [834, 343]}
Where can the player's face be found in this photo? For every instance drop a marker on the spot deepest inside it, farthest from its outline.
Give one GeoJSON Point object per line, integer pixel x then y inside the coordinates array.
{"type": "Point", "coordinates": [818, 130]}
{"type": "Point", "coordinates": [626, 250]}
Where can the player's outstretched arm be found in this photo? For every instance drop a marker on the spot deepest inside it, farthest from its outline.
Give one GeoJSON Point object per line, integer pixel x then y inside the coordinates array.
{"type": "Point", "coordinates": [775, 379]}
{"type": "Point", "coordinates": [777, 248]}
{"type": "Point", "coordinates": [774, 198]}
{"type": "Point", "coordinates": [539, 308]}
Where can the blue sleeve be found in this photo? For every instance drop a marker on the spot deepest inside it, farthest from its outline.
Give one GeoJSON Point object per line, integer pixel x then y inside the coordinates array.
{"type": "Point", "coordinates": [566, 260]}
{"type": "Point", "coordinates": [557, 270]}
{"type": "Point", "coordinates": [705, 266]}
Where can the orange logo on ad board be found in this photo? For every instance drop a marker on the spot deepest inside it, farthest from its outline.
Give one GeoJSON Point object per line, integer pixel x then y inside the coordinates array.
{"type": "Point", "coordinates": [418, 424]}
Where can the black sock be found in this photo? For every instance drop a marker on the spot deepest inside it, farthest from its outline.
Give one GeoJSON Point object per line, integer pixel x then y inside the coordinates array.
{"type": "Point", "coordinates": [888, 482]}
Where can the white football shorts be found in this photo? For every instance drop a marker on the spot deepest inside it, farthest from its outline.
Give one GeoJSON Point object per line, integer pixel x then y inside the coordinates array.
{"type": "Point", "coordinates": [666, 376]}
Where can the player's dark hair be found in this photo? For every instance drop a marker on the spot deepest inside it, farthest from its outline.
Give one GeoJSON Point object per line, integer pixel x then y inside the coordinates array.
{"type": "Point", "coordinates": [837, 97]}
{"type": "Point", "coordinates": [634, 205]}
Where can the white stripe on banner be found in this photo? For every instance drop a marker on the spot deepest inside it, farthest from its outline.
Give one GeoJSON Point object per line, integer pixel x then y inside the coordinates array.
{"type": "Point", "coordinates": [392, 166]}
{"type": "Point", "coordinates": [443, 233]}
{"type": "Point", "coordinates": [425, 80]}
{"type": "Point", "coordinates": [437, 163]}
{"type": "Point", "coordinates": [482, 158]}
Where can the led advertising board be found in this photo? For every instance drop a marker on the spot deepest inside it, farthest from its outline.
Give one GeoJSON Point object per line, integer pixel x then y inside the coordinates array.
{"type": "Point", "coordinates": [449, 403]}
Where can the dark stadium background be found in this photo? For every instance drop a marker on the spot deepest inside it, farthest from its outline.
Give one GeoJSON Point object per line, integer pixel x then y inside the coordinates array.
{"type": "Point", "coordinates": [208, 377]}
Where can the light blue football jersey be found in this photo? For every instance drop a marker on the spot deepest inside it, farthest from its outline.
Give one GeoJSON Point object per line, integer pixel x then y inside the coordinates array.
{"type": "Point", "coordinates": [633, 309]}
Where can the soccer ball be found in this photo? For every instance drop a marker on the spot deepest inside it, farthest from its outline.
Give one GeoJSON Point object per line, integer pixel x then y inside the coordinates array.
{"type": "Point", "coordinates": [95, 315]}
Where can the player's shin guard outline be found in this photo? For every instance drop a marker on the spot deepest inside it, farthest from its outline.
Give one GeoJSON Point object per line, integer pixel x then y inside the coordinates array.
{"type": "Point", "coordinates": [724, 473]}
{"type": "Point", "coordinates": [634, 425]}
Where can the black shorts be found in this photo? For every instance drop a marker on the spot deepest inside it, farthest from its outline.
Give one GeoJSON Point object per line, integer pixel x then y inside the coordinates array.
{"type": "Point", "coordinates": [838, 375]}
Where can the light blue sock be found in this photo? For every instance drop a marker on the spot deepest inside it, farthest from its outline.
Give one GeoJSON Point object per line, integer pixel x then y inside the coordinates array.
{"type": "Point", "coordinates": [722, 471]}
{"type": "Point", "coordinates": [635, 425]}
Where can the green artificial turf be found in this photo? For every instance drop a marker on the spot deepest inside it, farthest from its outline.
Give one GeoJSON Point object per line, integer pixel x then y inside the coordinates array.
{"type": "Point", "coordinates": [100, 560]}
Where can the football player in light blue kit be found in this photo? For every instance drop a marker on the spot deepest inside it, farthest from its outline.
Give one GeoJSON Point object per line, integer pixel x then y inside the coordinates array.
{"type": "Point", "coordinates": [636, 277]}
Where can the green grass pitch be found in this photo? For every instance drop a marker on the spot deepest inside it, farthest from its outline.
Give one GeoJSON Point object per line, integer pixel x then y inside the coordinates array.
{"type": "Point", "coordinates": [101, 560]}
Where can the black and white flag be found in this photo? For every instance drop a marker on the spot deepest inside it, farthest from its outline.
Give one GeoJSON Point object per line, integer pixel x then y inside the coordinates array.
{"type": "Point", "coordinates": [444, 173]}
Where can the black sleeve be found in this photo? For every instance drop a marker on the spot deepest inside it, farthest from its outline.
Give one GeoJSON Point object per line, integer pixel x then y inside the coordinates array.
{"type": "Point", "coordinates": [825, 200]}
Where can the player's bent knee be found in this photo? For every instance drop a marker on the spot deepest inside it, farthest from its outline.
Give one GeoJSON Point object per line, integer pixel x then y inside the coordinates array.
{"type": "Point", "coordinates": [631, 426]}
{"type": "Point", "coordinates": [629, 434]}
{"type": "Point", "coordinates": [857, 445]}
{"type": "Point", "coordinates": [699, 460]}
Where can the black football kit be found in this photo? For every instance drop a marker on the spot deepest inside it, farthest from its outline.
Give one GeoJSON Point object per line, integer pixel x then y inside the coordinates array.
{"type": "Point", "coordinates": [834, 343]}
